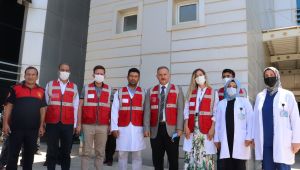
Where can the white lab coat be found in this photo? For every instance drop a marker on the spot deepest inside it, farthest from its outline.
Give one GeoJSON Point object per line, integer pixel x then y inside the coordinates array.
{"type": "Point", "coordinates": [286, 129]}
{"type": "Point", "coordinates": [131, 137]}
{"type": "Point", "coordinates": [242, 128]}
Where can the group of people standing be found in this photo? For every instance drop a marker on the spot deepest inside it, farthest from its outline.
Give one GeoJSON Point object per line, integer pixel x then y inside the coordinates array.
{"type": "Point", "coordinates": [213, 122]}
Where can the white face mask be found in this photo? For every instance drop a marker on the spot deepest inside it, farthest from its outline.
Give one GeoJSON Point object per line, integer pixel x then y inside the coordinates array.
{"type": "Point", "coordinates": [225, 80]}
{"type": "Point", "coordinates": [200, 80]}
{"type": "Point", "coordinates": [99, 78]}
{"type": "Point", "coordinates": [63, 75]}
{"type": "Point", "coordinates": [231, 91]}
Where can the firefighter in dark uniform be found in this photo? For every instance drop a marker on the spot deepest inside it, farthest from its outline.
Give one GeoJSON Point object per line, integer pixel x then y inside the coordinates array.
{"type": "Point", "coordinates": [24, 119]}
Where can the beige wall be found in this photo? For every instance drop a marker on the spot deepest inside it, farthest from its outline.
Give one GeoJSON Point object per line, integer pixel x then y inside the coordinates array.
{"type": "Point", "coordinates": [221, 42]}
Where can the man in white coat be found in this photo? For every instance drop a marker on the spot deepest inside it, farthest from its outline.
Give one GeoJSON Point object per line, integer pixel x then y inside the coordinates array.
{"type": "Point", "coordinates": [234, 128]}
{"type": "Point", "coordinates": [127, 121]}
{"type": "Point", "coordinates": [276, 124]}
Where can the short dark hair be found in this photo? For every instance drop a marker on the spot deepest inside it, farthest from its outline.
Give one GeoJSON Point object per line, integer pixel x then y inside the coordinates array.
{"type": "Point", "coordinates": [32, 68]}
{"type": "Point", "coordinates": [64, 64]}
{"type": "Point", "coordinates": [98, 67]}
{"type": "Point", "coordinates": [162, 67]}
{"type": "Point", "coordinates": [133, 70]}
{"type": "Point", "coordinates": [227, 70]}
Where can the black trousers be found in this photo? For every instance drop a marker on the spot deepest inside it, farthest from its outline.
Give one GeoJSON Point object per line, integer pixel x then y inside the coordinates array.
{"type": "Point", "coordinates": [110, 148]}
{"type": "Point", "coordinates": [17, 138]}
{"type": "Point", "coordinates": [161, 144]}
{"type": "Point", "coordinates": [233, 164]}
{"type": "Point", "coordinates": [59, 133]}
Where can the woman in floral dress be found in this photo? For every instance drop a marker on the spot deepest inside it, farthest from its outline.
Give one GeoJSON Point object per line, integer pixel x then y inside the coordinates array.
{"type": "Point", "coordinates": [199, 124]}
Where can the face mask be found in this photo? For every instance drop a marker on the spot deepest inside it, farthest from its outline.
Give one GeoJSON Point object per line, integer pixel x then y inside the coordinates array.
{"type": "Point", "coordinates": [200, 80]}
{"type": "Point", "coordinates": [99, 78]}
{"type": "Point", "coordinates": [225, 80]}
{"type": "Point", "coordinates": [231, 91]}
{"type": "Point", "coordinates": [63, 75]}
{"type": "Point", "coordinates": [270, 81]}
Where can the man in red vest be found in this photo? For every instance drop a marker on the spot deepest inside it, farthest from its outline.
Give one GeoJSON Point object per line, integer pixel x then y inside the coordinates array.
{"type": "Point", "coordinates": [127, 121]}
{"type": "Point", "coordinates": [94, 118]}
{"type": "Point", "coordinates": [62, 98]}
{"type": "Point", "coordinates": [23, 119]}
{"type": "Point", "coordinates": [226, 75]}
{"type": "Point", "coordinates": [163, 119]}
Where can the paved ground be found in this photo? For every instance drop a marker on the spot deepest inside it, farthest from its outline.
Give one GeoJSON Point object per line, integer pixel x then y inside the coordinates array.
{"type": "Point", "coordinates": [75, 165]}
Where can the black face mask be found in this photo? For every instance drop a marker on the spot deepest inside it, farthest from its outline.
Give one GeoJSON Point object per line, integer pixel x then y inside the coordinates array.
{"type": "Point", "coordinates": [270, 81]}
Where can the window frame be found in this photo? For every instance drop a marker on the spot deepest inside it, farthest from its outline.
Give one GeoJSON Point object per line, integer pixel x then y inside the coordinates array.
{"type": "Point", "coordinates": [186, 3]}
{"type": "Point", "coordinates": [127, 14]}
{"type": "Point", "coordinates": [173, 17]}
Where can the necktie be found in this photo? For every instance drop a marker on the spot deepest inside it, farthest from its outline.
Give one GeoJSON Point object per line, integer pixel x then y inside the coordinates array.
{"type": "Point", "coordinates": [162, 103]}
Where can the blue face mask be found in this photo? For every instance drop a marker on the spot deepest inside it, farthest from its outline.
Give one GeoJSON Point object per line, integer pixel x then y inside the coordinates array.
{"type": "Point", "coordinates": [231, 91]}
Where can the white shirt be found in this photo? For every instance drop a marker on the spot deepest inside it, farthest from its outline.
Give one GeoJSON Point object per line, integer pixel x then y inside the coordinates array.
{"type": "Point", "coordinates": [63, 88]}
{"type": "Point", "coordinates": [131, 138]}
{"type": "Point", "coordinates": [164, 110]}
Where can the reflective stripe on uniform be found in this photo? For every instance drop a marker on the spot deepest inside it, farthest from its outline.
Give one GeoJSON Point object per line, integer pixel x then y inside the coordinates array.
{"type": "Point", "coordinates": [154, 106]}
{"type": "Point", "coordinates": [58, 103]}
{"type": "Point", "coordinates": [133, 108]}
{"type": "Point", "coordinates": [171, 106]}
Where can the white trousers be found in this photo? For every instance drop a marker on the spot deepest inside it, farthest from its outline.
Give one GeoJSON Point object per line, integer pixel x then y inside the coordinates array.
{"type": "Point", "coordinates": [136, 160]}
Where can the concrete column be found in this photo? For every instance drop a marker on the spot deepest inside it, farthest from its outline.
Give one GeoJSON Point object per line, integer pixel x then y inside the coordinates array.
{"type": "Point", "coordinates": [33, 35]}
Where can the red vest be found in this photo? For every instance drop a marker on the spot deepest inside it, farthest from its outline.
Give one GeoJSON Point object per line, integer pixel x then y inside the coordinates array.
{"type": "Point", "coordinates": [170, 107]}
{"type": "Point", "coordinates": [96, 109]}
{"type": "Point", "coordinates": [131, 110]}
{"type": "Point", "coordinates": [60, 107]}
{"type": "Point", "coordinates": [205, 111]}
{"type": "Point", "coordinates": [243, 93]}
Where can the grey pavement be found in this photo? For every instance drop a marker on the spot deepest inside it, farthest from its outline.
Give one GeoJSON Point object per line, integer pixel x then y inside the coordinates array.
{"type": "Point", "coordinates": [75, 162]}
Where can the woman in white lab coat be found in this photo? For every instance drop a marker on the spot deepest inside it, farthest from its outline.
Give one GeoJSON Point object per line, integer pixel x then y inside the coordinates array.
{"type": "Point", "coordinates": [199, 124]}
{"type": "Point", "coordinates": [276, 129]}
{"type": "Point", "coordinates": [234, 117]}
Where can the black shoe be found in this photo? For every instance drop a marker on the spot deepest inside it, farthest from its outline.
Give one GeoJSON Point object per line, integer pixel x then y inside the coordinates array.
{"type": "Point", "coordinates": [105, 162]}
{"type": "Point", "coordinates": [21, 162]}
{"type": "Point", "coordinates": [38, 152]}
{"type": "Point", "coordinates": [45, 163]}
{"type": "Point", "coordinates": [109, 163]}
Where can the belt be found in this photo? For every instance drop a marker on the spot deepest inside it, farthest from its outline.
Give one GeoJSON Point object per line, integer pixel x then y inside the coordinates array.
{"type": "Point", "coordinates": [162, 123]}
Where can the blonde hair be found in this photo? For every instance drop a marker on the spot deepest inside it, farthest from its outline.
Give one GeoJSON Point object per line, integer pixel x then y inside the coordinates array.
{"type": "Point", "coordinates": [194, 85]}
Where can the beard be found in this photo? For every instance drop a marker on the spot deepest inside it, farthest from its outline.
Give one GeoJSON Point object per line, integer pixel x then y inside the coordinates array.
{"type": "Point", "coordinates": [131, 83]}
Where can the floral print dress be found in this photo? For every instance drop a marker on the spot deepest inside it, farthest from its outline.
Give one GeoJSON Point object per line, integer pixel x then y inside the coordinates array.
{"type": "Point", "coordinates": [197, 159]}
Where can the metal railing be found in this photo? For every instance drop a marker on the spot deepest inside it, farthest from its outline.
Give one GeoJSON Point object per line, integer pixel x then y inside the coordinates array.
{"type": "Point", "coordinates": [8, 71]}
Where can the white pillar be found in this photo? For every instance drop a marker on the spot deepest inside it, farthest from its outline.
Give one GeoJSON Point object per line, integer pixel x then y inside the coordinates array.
{"type": "Point", "coordinates": [33, 35]}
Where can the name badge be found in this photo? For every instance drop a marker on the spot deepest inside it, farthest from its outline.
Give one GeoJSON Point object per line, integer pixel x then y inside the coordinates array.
{"type": "Point", "coordinates": [192, 103]}
{"type": "Point", "coordinates": [242, 115]}
{"type": "Point", "coordinates": [55, 95]}
{"type": "Point", "coordinates": [91, 96]}
{"type": "Point", "coordinates": [124, 100]}
{"type": "Point", "coordinates": [284, 113]}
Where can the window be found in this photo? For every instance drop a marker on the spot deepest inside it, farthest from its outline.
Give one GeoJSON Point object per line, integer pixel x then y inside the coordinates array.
{"type": "Point", "coordinates": [127, 19]}
{"type": "Point", "coordinates": [187, 12]}
{"type": "Point", "coordinates": [129, 23]}
{"type": "Point", "coordinates": [184, 14]}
